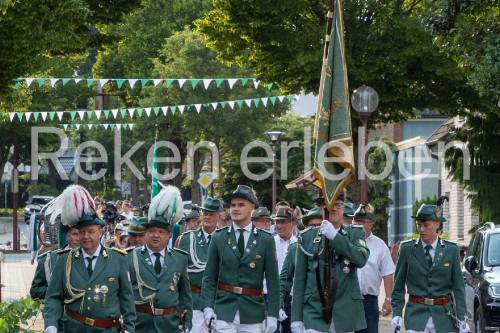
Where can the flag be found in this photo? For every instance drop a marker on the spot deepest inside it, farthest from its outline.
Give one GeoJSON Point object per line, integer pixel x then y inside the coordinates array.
{"type": "Point", "coordinates": [333, 118]}
{"type": "Point", "coordinates": [155, 186]}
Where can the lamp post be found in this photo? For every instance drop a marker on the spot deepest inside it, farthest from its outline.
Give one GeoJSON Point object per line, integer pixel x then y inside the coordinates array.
{"type": "Point", "coordinates": [274, 136]}
{"type": "Point", "coordinates": [364, 100]}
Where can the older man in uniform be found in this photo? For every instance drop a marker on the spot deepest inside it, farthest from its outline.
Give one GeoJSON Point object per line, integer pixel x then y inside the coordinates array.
{"type": "Point", "coordinates": [89, 288]}
{"type": "Point", "coordinates": [429, 269]}
{"type": "Point", "coordinates": [195, 243]}
{"type": "Point", "coordinates": [348, 212]}
{"type": "Point", "coordinates": [261, 218]}
{"type": "Point", "coordinates": [238, 258]}
{"type": "Point", "coordinates": [136, 232]}
{"type": "Point", "coordinates": [347, 251]}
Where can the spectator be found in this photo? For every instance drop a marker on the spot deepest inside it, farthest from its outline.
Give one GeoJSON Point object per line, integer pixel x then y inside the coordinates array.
{"type": "Point", "coordinates": [127, 210]}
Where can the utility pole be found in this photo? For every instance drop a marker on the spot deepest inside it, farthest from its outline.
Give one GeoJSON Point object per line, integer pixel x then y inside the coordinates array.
{"type": "Point", "coordinates": [15, 191]}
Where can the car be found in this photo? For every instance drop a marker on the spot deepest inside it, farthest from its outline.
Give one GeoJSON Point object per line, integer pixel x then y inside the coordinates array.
{"type": "Point", "coordinates": [187, 207]}
{"type": "Point", "coordinates": [481, 272]}
{"type": "Point", "coordinates": [34, 205]}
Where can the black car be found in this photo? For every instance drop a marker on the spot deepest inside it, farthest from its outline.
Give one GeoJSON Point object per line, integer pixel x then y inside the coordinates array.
{"type": "Point", "coordinates": [35, 205]}
{"type": "Point", "coordinates": [481, 271]}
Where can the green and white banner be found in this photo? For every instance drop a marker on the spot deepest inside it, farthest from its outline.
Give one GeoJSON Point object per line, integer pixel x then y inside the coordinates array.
{"type": "Point", "coordinates": [112, 127]}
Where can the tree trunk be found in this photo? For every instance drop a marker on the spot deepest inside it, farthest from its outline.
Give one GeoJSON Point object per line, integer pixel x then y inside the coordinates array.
{"type": "Point", "coordinates": [134, 189]}
{"type": "Point", "coordinates": [52, 175]}
{"type": "Point", "coordinates": [198, 160]}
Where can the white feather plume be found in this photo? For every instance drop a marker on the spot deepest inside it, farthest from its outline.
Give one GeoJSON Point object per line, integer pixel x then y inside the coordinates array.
{"type": "Point", "coordinates": [167, 203]}
{"type": "Point", "coordinates": [50, 211]}
{"type": "Point", "coordinates": [73, 203]}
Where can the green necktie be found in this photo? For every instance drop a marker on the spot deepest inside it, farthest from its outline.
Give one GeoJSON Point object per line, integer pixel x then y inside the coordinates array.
{"type": "Point", "coordinates": [241, 242]}
{"type": "Point", "coordinates": [428, 254]}
{"type": "Point", "coordinates": [89, 266]}
{"type": "Point", "coordinates": [157, 263]}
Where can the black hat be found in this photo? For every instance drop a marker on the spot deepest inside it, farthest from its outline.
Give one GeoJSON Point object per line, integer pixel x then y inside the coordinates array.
{"type": "Point", "coordinates": [145, 208]}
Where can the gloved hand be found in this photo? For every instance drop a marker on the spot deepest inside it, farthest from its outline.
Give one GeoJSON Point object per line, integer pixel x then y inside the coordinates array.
{"type": "Point", "coordinates": [397, 321]}
{"type": "Point", "coordinates": [282, 315]}
{"type": "Point", "coordinates": [51, 329]}
{"type": "Point", "coordinates": [270, 325]}
{"type": "Point", "coordinates": [297, 327]}
{"type": "Point", "coordinates": [328, 230]}
{"type": "Point", "coordinates": [464, 327]}
{"type": "Point", "coordinates": [180, 329]}
{"type": "Point", "coordinates": [208, 313]}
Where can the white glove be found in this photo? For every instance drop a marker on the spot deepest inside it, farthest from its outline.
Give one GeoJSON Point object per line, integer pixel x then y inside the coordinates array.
{"type": "Point", "coordinates": [328, 230]}
{"type": "Point", "coordinates": [53, 329]}
{"type": "Point", "coordinates": [270, 325]}
{"type": "Point", "coordinates": [297, 327]}
{"type": "Point", "coordinates": [282, 315]}
{"type": "Point", "coordinates": [464, 327]}
{"type": "Point", "coordinates": [396, 321]}
{"type": "Point", "coordinates": [208, 313]}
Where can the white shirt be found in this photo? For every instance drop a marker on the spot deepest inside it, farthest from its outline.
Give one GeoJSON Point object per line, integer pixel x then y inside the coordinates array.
{"type": "Point", "coordinates": [206, 234]}
{"type": "Point", "coordinates": [129, 216]}
{"type": "Point", "coordinates": [282, 248]}
{"type": "Point", "coordinates": [86, 255]}
{"type": "Point", "coordinates": [153, 257]}
{"type": "Point", "coordinates": [246, 233]}
{"type": "Point", "coordinates": [432, 251]}
{"type": "Point", "coordinates": [379, 264]}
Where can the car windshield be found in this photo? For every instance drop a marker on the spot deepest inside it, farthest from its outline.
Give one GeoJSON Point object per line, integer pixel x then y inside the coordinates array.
{"type": "Point", "coordinates": [493, 254]}
{"type": "Point", "coordinates": [188, 206]}
{"type": "Point", "coordinates": [40, 201]}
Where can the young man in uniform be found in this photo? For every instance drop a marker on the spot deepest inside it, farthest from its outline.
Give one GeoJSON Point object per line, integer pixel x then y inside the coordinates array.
{"type": "Point", "coordinates": [429, 269]}
{"type": "Point", "coordinates": [238, 258]}
{"type": "Point", "coordinates": [347, 251]}
{"type": "Point", "coordinates": [196, 243]}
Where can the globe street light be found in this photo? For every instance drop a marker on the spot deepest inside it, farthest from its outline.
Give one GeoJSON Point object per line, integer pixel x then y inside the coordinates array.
{"type": "Point", "coordinates": [274, 136]}
{"type": "Point", "coordinates": [364, 100]}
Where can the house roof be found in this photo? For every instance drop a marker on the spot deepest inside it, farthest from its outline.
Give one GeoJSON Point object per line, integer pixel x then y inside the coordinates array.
{"type": "Point", "coordinates": [443, 131]}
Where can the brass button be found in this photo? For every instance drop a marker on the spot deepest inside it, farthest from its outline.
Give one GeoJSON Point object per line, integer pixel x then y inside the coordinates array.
{"type": "Point", "coordinates": [88, 298]}
{"type": "Point", "coordinates": [89, 288]}
{"type": "Point", "coordinates": [88, 307]}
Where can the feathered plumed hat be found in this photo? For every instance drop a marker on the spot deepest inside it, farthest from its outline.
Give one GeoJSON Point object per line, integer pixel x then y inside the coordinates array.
{"type": "Point", "coordinates": [165, 209]}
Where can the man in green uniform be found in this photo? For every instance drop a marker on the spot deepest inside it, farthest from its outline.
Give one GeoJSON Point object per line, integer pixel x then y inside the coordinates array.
{"type": "Point", "coordinates": [89, 287]}
{"type": "Point", "coordinates": [347, 251]}
{"type": "Point", "coordinates": [238, 257]}
{"type": "Point", "coordinates": [429, 268]}
{"type": "Point", "coordinates": [136, 232]}
{"type": "Point", "coordinates": [159, 277]}
{"type": "Point", "coordinates": [195, 243]}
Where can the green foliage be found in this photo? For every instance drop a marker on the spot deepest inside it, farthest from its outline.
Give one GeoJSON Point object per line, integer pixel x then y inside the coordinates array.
{"type": "Point", "coordinates": [425, 201]}
{"type": "Point", "coordinates": [443, 235]}
{"type": "Point", "coordinates": [19, 312]}
{"type": "Point", "coordinates": [42, 189]}
{"type": "Point", "coordinates": [10, 212]}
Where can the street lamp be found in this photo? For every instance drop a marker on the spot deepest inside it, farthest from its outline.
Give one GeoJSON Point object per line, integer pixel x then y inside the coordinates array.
{"type": "Point", "coordinates": [364, 100]}
{"type": "Point", "coordinates": [274, 136]}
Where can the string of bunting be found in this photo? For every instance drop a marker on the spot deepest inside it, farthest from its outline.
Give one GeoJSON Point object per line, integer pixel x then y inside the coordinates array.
{"type": "Point", "coordinates": [251, 102]}
{"type": "Point", "coordinates": [96, 126]}
{"type": "Point", "coordinates": [143, 82]}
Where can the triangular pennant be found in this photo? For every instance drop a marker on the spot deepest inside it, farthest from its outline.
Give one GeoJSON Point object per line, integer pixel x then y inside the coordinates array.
{"type": "Point", "coordinates": [240, 103]}
{"type": "Point", "coordinates": [60, 115]}
{"type": "Point", "coordinates": [243, 82]}
{"type": "Point", "coordinates": [11, 116]}
{"type": "Point", "coordinates": [89, 114]}
{"type": "Point", "coordinates": [124, 126]}
{"type": "Point", "coordinates": [256, 83]}
{"type": "Point", "coordinates": [164, 109]}
{"type": "Point", "coordinates": [173, 108]}
{"type": "Point", "coordinates": [106, 113]}
{"type": "Point", "coordinates": [139, 112]}
{"type": "Point", "coordinates": [65, 126]}
{"type": "Point", "coordinates": [27, 115]}
{"type": "Point", "coordinates": [53, 82]}
{"type": "Point", "coordinates": [132, 82]}
{"type": "Point", "coordinates": [51, 115]}
{"type": "Point", "coordinates": [181, 82]}
{"type": "Point", "coordinates": [273, 99]}
{"type": "Point", "coordinates": [71, 126]}
{"type": "Point", "coordinates": [114, 112]}
{"type": "Point", "coordinates": [102, 82]}
{"type": "Point", "coordinates": [77, 80]}
{"type": "Point", "coordinates": [223, 104]}
{"type": "Point", "coordinates": [231, 104]}
{"type": "Point", "coordinates": [206, 83]}
{"type": "Point", "coordinates": [122, 112]}
{"type": "Point", "coordinates": [281, 98]}
{"type": "Point", "coordinates": [264, 100]}
{"type": "Point", "coordinates": [89, 126]}
{"type": "Point", "coordinates": [169, 82]}
{"type": "Point", "coordinates": [157, 81]}
{"type": "Point", "coordinates": [156, 110]}
{"type": "Point", "coordinates": [144, 82]}
{"type": "Point", "coordinates": [29, 82]}
{"type": "Point", "coordinates": [105, 126]}
{"type": "Point", "coordinates": [148, 111]}
{"type": "Point", "coordinates": [77, 126]}
{"type": "Point", "coordinates": [81, 114]}
{"type": "Point", "coordinates": [20, 116]}
{"type": "Point", "coordinates": [131, 126]}
{"type": "Point", "coordinates": [256, 101]}
{"type": "Point", "coordinates": [296, 97]}
{"type": "Point", "coordinates": [248, 102]}
{"type": "Point", "coordinates": [112, 126]}
{"type": "Point", "coordinates": [18, 82]}
{"type": "Point", "coordinates": [118, 128]}
{"type": "Point", "coordinates": [194, 82]}
{"type": "Point", "coordinates": [41, 82]}
{"type": "Point", "coordinates": [131, 112]}
{"type": "Point", "coordinates": [198, 107]}
{"type": "Point", "coordinates": [89, 82]}
{"type": "Point", "coordinates": [214, 105]}
{"type": "Point", "coordinates": [64, 81]}
{"type": "Point", "coordinates": [96, 126]}
{"type": "Point", "coordinates": [181, 108]}
{"type": "Point", "coordinates": [219, 82]}
{"type": "Point", "coordinates": [119, 83]}
{"type": "Point", "coordinates": [231, 82]}
{"type": "Point", "coordinates": [289, 97]}
{"type": "Point", "coordinates": [35, 115]}
{"type": "Point", "coordinates": [73, 114]}
{"type": "Point", "coordinates": [269, 86]}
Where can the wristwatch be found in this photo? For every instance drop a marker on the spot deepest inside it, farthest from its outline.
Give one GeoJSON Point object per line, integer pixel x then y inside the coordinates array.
{"type": "Point", "coordinates": [388, 299]}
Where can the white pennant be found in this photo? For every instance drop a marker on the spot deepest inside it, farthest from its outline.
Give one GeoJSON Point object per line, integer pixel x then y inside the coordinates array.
{"type": "Point", "coordinates": [198, 107]}
{"type": "Point", "coordinates": [28, 116]}
{"type": "Point", "coordinates": [148, 111]}
{"type": "Point", "coordinates": [98, 114]}
{"type": "Point", "coordinates": [77, 126]}
{"type": "Point", "coordinates": [256, 83]}
{"type": "Point", "coordinates": [164, 109]}
{"type": "Point", "coordinates": [102, 82]}
{"type": "Point", "coordinates": [181, 108]}
{"type": "Point", "coordinates": [114, 112]}
{"type": "Point", "coordinates": [264, 100]}
{"type": "Point", "coordinates": [181, 82]}
{"type": "Point", "coordinates": [281, 98]}
{"type": "Point", "coordinates": [157, 81]}
{"type": "Point", "coordinates": [60, 114]}
{"type": "Point", "coordinates": [214, 105]}
{"type": "Point", "coordinates": [231, 82]}
{"type": "Point", "coordinates": [12, 115]}
{"type": "Point", "coordinates": [231, 104]}
{"type": "Point", "coordinates": [296, 97]}
{"type": "Point", "coordinates": [81, 114]}
{"type": "Point", "coordinates": [65, 126]}
{"type": "Point", "coordinates": [29, 81]}
{"type": "Point", "coordinates": [118, 127]}
{"type": "Point", "coordinates": [132, 82]}
{"type": "Point", "coordinates": [53, 82]}
{"type": "Point", "coordinates": [248, 102]}
{"type": "Point", "coordinates": [89, 126]}
{"type": "Point", "coordinates": [206, 83]}
{"type": "Point", "coordinates": [131, 112]}
{"type": "Point", "coordinates": [77, 80]}
{"type": "Point", "coordinates": [44, 115]}
{"type": "Point", "coordinates": [131, 126]}
{"type": "Point", "coordinates": [105, 126]}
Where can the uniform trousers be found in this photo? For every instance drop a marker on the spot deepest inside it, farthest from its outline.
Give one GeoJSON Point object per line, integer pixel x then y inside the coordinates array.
{"type": "Point", "coordinates": [235, 327]}
{"type": "Point", "coordinates": [429, 327]}
{"type": "Point", "coordinates": [198, 322]}
{"type": "Point", "coordinates": [332, 330]}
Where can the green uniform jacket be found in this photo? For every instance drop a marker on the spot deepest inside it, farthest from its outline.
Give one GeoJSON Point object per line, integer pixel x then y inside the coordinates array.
{"type": "Point", "coordinates": [286, 274]}
{"type": "Point", "coordinates": [111, 270]}
{"type": "Point", "coordinates": [194, 243]}
{"type": "Point", "coordinates": [347, 249]}
{"type": "Point", "coordinates": [226, 265]}
{"type": "Point", "coordinates": [168, 289]}
{"type": "Point", "coordinates": [39, 284]}
{"type": "Point", "coordinates": [439, 280]}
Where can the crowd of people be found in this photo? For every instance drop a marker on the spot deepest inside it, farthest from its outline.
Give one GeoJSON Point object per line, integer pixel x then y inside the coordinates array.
{"type": "Point", "coordinates": [233, 266]}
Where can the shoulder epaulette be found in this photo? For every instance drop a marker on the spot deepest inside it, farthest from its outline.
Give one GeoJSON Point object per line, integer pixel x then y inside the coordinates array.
{"type": "Point", "coordinates": [63, 251]}
{"type": "Point", "coordinates": [181, 251]}
{"type": "Point", "coordinates": [119, 251]}
{"type": "Point", "coordinates": [43, 255]}
{"type": "Point", "coordinates": [306, 229]}
{"type": "Point", "coordinates": [130, 249]}
{"type": "Point", "coordinates": [359, 226]}
{"type": "Point", "coordinates": [407, 241]}
{"type": "Point", "coordinates": [260, 229]}
{"type": "Point", "coordinates": [220, 229]}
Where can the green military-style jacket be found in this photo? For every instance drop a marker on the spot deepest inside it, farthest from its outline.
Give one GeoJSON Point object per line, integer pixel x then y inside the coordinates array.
{"type": "Point", "coordinates": [226, 265]}
{"type": "Point", "coordinates": [348, 249]}
{"type": "Point", "coordinates": [167, 290]}
{"type": "Point", "coordinates": [106, 294]}
{"type": "Point", "coordinates": [194, 243]}
{"type": "Point", "coordinates": [39, 284]}
{"type": "Point", "coordinates": [286, 274]}
{"type": "Point", "coordinates": [420, 279]}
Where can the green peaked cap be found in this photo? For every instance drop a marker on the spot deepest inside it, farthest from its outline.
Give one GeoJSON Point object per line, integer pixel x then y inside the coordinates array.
{"type": "Point", "coordinates": [212, 205]}
{"type": "Point", "coordinates": [136, 225]}
{"type": "Point", "coordinates": [243, 192]}
{"type": "Point", "coordinates": [348, 210]}
{"type": "Point", "coordinates": [314, 213]}
{"type": "Point", "coordinates": [87, 220]}
{"type": "Point", "coordinates": [430, 212]}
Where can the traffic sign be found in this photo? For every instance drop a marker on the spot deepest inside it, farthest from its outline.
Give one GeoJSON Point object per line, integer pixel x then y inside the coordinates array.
{"type": "Point", "coordinates": [205, 179]}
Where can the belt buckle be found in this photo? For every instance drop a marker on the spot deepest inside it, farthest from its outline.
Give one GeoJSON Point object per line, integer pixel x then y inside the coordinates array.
{"type": "Point", "coordinates": [89, 321]}
{"type": "Point", "coordinates": [157, 312]}
{"type": "Point", "coordinates": [237, 290]}
{"type": "Point", "coordinates": [428, 301]}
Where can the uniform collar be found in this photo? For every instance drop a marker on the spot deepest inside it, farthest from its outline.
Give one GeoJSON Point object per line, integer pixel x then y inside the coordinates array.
{"type": "Point", "coordinates": [247, 228]}
{"type": "Point", "coordinates": [96, 253]}
{"type": "Point", "coordinates": [162, 252]}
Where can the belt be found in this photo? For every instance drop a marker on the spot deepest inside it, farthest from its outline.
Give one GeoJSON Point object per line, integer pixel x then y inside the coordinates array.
{"type": "Point", "coordinates": [239, 290]}
{"type": "Point", "coordinates": [155, 311]}
{"type": "Point", "coordinates": [430, 301]}
{"type": "Point", "coordinates": [102, 323]}
{"type": "Point", "coordinates": [195, 289]}
{"type": "Point", "coordinates": [370, 297]}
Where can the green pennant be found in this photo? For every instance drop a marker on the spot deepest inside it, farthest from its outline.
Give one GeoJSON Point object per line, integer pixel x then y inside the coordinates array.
{"type": "Point", "coordinates": [119, 83]}
{"type": "Point", "coordinates": [139, 112]}
{"type": "Point", "coordinates": [19, 115]}
{"type": "Point", "coordinates": [64, 81]}
{"type": "Point", "coordinates": [124, 126]}
{"type": "Point", "coordinates": [35, 115]}
{"type": "Point", "coordinates": [194, 82]}
{"type": "Point", "coordinates": [144, 82]}
{"type": "Point", "coordinates": [272, 99]}
{"type": "Point", "coordinates": [123, 112]}
{"type": "Point", "coordinates": [73, 114]}
{"type": "Point", "coordinates": [96, 126]}
{"type": "Point", "coordinates": [112, 126]}
{"type": "Point", "coordinates": [289, 97]}
{"type": "Point", "coordinates": [172, 109]}
{"type": "Point", "coordinates": [18, 82]}
{"type": "Point", "coordinates": [89, 82]}
{"type": "Point", "coordinates": [106, 113]}
{"type": "Point", "coordinates": [223, 104]}
{"type": "Point", "coordinates": [169, 82]}
{"type": "Point", "coordinates": [240, 103]}
{"type": "Point", "coordinates": [40, 82]}
{"type": "Point", "coordinates": [52, 114]}
{"type": "Point", "coordinates": [71, 126]}
{"type": "Point", "coordinates": [269, 86]}
{"type": "Point", "coordinates": [89, 114]}
{"type": "Point", "coordinates": [219, 82]}
{"type": "Point", "coordinates": [256, 101]}
{"type": "Point", "coordinates": [156, 110]}
{"type": "Point", "coordinates": [206, 105]}
{"type": "Point", "coordinates": [243, 82]}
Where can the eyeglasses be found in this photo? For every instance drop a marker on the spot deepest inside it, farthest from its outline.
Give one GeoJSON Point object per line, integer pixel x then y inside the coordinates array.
{"type": "Point", "coordinates": [362, 221]}
{"type": "Point", "coordinates": [338, 205]}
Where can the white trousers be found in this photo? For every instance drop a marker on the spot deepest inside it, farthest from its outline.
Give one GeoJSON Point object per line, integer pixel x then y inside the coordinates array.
{"type": "Point", "coordinates": [332, 330]}
{"type": "Point", "coordinates": [235, 327]}
{"type": "Point", "coordinates": [198, 322]}
{"type": "Point", "coordinates": [429, 327]}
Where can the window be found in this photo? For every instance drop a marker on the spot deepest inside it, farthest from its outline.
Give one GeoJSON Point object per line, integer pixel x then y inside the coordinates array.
{"type": "Point", "coordinates": [493, 250]}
